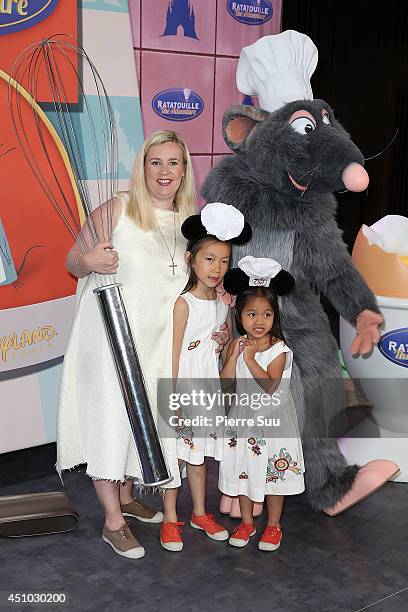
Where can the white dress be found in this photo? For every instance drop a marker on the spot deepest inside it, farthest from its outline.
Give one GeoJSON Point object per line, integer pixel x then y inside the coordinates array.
{"type": "Point", "coordinates": [93, 426]}
{"type": "Point", "coordinates": [266, 458]}
{"type": "Point", "coordinates": [199, 371]}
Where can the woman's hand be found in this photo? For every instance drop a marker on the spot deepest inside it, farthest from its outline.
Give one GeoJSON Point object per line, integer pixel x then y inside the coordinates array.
{"type": "Point", "coordinates": [221, 337]}
{"type": "Point", "coordinates": [103, 259]}
{"type": "Point", "coordinates": [250, 349]}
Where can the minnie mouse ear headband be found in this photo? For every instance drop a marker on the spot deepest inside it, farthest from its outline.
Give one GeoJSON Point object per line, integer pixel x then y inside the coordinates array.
{"type": "Point", "coordinates": [258, 272]}
{"type": "Point", "coordinates": [223, 221]}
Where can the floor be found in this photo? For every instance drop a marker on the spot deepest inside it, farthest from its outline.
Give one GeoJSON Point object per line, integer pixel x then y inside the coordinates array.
{"type": "Point", "coordinates": [353, 562]}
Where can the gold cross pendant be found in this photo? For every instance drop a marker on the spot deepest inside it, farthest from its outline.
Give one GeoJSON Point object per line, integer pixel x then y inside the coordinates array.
{"type": "Point", "coordinates": [173, 265]}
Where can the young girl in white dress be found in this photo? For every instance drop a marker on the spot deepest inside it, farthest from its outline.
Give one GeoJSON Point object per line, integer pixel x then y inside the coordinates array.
{"type": "Point", "coordinates": [198, 313]}
{"type": "Point", "coordinates": [263, 453]}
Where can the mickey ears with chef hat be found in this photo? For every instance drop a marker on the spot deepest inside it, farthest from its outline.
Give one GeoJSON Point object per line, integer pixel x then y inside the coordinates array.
{"type": "Point", "coordinates": [258, 272]}
{"type": "Point", "coordinates": [223, 221]}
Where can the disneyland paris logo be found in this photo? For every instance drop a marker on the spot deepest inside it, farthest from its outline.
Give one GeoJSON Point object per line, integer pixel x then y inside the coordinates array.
{"type": "Point", "coordinates": [251, 12]}
{"type": "Point", "coordinates": [178, 104]}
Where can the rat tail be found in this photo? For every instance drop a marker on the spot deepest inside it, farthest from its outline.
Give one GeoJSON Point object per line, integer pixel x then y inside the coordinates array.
{"type": "Point", "coordinates": [36, 246]}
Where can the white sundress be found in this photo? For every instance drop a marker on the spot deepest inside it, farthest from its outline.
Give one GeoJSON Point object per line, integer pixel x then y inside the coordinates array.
{"type": "Point", "coordinates": [264, 459]}
{"type": "Point", "coordinates": [199, 371]}
{"type": "Point", "coordinates": [93, 426]}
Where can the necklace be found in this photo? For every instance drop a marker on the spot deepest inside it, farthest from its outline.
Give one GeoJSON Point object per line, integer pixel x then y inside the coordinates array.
{"type": "Point", "coordinates": [172, 265]}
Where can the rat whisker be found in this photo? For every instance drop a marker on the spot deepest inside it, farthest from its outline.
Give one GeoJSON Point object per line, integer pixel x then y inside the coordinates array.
{"type": "Point", "coordinates": [311, 177]}
{"type": "Point", "coordinates": [384, 150]}
{"type": "Point", "coordinates": [306, 173]}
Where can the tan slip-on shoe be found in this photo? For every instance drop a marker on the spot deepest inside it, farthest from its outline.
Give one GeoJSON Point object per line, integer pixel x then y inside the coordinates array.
{"type": "Point", "coordinates": [123, 542]}
{"type": "Point", "coordinates": [142, 512]}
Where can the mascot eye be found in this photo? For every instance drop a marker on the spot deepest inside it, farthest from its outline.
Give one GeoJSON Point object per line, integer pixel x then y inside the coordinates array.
{"type": "Point", "coordinates": [303, 125]}
{"type": "Point", "coordinates": [326, 119]}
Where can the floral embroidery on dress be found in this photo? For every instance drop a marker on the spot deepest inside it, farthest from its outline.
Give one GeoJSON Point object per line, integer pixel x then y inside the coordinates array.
{"type": "Point", "coordinates": [232, 435]}
{"type": "Point", "coordinates": [213, 435]}
{"type": "Point", "coordinates": [193, 344]}
{"type": "Point", "coordinates": [278, 465]}
{"type": "Point", "coordinates": [187, 435]}
{"type": "Point", "coordinates": [255, 445]}
{"type": "Point", "coordinates": [243, 476]}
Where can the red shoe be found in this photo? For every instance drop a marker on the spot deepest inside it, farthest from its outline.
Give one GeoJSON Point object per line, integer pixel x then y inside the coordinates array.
{"type": "Point", "coordinates": [207, 523]}
{"type": "Point", "coordinates": [271, 538]}
{"type": "Point", "coordinates": [241, 534]}
{"type": "Point", "coordinates": [170, 536]}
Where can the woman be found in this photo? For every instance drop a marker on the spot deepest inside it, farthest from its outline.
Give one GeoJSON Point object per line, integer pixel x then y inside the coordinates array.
{"type": "Point", "coordinates": [147, 255]}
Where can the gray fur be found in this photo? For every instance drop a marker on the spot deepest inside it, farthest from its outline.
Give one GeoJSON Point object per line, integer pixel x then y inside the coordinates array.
{"type": "Point", "coordinates": [299, 230]}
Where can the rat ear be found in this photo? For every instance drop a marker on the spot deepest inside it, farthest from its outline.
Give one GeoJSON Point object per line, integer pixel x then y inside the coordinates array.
{"type": "Point", "coordinates": [238, 123]}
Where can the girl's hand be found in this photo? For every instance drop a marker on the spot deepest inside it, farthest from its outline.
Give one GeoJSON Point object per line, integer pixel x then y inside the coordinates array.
{"type": "Point", "coordinates": [221, 337]}
{"type": "Point", "coordinates": [238, 346]}
{"type": "Point", "coordinates": [250, 349]}
{"type": "Point", "coordinates": [103, 259]}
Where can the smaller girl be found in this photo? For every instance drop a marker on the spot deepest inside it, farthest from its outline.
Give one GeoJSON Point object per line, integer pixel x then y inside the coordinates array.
{"type": "Point", "coordinates": [198, 314]}
{"type": "Point", "coordinates": [263, 455]}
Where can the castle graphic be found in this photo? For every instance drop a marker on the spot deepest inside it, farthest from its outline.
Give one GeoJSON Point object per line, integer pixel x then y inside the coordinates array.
{"type": "Point", "coordinates": [180, 13]}
{"type": "Point", "coordinates": [247, 100]}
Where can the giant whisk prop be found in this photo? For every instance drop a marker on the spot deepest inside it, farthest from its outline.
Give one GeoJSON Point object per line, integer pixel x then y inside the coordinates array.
{"type": "Point", "coordinates": [45, 60]}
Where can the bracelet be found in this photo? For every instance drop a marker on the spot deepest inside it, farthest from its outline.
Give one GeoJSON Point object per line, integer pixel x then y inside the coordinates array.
{"type": "Point", "coordinates": [81, 267]}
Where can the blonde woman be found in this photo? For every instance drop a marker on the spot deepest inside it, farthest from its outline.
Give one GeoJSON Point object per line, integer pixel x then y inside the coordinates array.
{"type": "Point", "coordinates": [147, 255]}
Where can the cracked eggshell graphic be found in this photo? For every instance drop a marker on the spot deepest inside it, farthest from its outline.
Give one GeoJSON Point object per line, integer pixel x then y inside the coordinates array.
{"type": "Point", "coordinates": [386, 273]}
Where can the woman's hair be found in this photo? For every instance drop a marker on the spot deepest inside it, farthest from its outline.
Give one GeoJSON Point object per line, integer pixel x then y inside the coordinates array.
{"type": "Point", "coordinates": [139, 207]}
{"type": "Point", "coordinates": [244, 297]}
{"type": "Point", "coordinates": [192, 278]}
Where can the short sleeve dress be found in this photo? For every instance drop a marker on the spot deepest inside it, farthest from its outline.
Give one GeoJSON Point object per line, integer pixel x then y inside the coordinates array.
{"type": "Point", "coordinates": [199, 371]}
{"type": "Point", "coordinates": [264, 457]}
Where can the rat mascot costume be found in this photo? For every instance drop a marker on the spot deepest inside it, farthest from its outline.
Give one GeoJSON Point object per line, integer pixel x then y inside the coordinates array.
{"type": "Point", "coordinates": [290, 155]}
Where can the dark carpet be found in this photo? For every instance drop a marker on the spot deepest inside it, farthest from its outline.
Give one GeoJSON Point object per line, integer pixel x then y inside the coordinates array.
{"type": "Point", "coordinates": [353, 562]}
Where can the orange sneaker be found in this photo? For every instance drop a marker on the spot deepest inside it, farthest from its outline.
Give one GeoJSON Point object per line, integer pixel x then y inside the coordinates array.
{"type": "Point", "coordinates": [271, 538]}
{"type": "Point", "coordinates": [170, 536]}
{"type": "Point", "coordinates": [241, 534]}
{"type": "Point", "coordinates": [207, 523]}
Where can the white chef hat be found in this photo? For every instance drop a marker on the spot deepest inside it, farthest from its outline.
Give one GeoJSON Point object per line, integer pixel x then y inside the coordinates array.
{"type": "Point", "coordinates": [260, 270]}
{"type": "Point", "coordinates": [222, 220]}
{"type": "Point", "coordinates": [277, 69]}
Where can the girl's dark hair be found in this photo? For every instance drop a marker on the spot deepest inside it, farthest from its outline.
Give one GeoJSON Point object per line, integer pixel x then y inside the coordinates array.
{"type": "Point", "coordinates": [194, 247]}
{"type": "Point", "coordinates": [244, 297]}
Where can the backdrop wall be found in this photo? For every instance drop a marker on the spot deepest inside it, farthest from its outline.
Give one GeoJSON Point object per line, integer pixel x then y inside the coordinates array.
{"type": "Point", "coordinates": [186, 53]}
{"type": "Point", "coordinates": [36, 308]}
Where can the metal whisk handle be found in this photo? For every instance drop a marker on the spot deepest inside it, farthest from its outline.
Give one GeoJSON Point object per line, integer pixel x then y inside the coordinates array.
{"type": "Point", "coordinates": [155, 472]}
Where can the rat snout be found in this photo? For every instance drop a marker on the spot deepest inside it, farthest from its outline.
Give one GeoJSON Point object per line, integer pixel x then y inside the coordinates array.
{"type": "Point", "coordinates": [355, 177]}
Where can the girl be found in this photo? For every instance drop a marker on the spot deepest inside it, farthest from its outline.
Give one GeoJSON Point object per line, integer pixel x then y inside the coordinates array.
{"type": "Point", "coordinates": [257, 461]}
{"type": "Point", "coordinates": [198, 312]}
